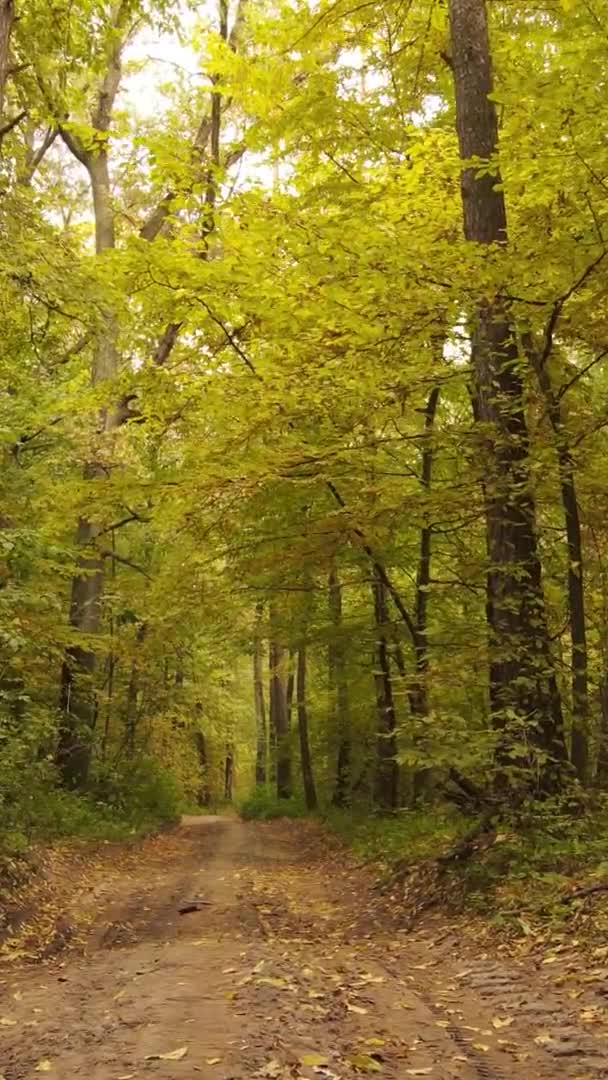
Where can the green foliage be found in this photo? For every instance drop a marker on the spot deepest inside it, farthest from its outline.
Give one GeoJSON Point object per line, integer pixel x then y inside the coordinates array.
{"type": "Point", "coordinates": [311, 289]}
{"type": "Point", "coordinates": [407, 837]}
{"type": "Point", "coordinates": [538, 859]}
{"type": "Point", "coordinates": [118, 804]}
{"type": "Point", "coordinates": [263, 805]}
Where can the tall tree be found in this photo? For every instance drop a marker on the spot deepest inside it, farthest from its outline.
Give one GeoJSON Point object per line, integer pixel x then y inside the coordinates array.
{"type": "Point", "coordinates": [310, 792]}
{"type": "Point", "coordinates": [522, 685]}
{"type": "Point", "coordinates": [338, 681]}
{"type": "Point", "coordinates": [387, 768]}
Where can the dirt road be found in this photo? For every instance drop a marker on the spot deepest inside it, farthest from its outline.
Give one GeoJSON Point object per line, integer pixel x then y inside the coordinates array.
{"type": "Point", "coordinates": [284, 971]}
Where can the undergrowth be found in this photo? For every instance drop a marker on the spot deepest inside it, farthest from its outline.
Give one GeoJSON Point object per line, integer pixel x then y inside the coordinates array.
{"type": "Point", "coordinates": [409, 835]}
{"type": "Point", "coordinates": [526, 869]}
{"type": "Point", "coordinates": [120, 803]}
{"type": "Point", "coordinates": [263, 805]}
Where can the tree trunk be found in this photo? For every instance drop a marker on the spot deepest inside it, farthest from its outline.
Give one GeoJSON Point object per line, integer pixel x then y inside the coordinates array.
{"type": "Point", "coordinates": [260, 714]}
{"type": "Point", "coordinates": [576, 582]}
{"type": "Point", "coordinates": [133, 692]}
{"type": "Point", "coordinates": [229, 775]}
{"type": "Point", "coordinates": [204, 796]}
{"type": "Point", "coordinates": [339, 689]}
{"type": "Point", "coordinates": [387, 769]}
{"type": "Point", "coordinates": [290, 685]}
{"type": "Point", "coordinates": [418, 697]}
{"type": "Point", "coordinates": [77, 696]}
{"type": "Point", "coordinates": [423, 575]}
{"type": "Point", "coordinates": [279, 719]}
{"type": "Point", "coordinates": [310, 793]}
{"type": "Point", "coordinates": [7, 18]}
{"type": "Point", "coordinates": [522, 688]}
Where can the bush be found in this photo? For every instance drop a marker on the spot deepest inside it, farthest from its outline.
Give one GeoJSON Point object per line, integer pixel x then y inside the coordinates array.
{"type": "Point", "coordinates": [120, 802]}
{"type": "Point", "coordinates": [263, 805]}
{"type": "Point", "coordinates": [140, 791]}
{"type": "Point", "coordinates": [409, 835]}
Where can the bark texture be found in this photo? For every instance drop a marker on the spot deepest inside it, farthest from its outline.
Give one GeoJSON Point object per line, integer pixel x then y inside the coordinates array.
{"type": "Point", "coordinates": [523, 694]}
{"type": "Point", "coordinates": [338, 682]}
{"type": "Point", "coordinates": [310, 793]}
{"type": "Point", "coordinates": [387, 769]}
{"type": "Point", "coordinates": [260, 714]}
{"type": "Point", "coordinates": [279, 719]}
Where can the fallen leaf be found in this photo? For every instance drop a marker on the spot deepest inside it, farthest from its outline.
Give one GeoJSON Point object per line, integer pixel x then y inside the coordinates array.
{"type": "Point", "coordinates": [18, 997]}
{"type": "Point", "coordinates": [501, 1021]}
{"type": "Point", "coordinates": [272, 1069]}
{"type": "Point", "coordinates": [481, 1046]}
{"type": "Point", "coordinates": [213, 1061]}
{"type": "Point", "coordinates": [373, 1041]}
{"type": "Point", "coordinates": [420, 1072]}
{"type": "Point", "coordinates": [7, 1021]}
{"type": "Point", "coordinates": [126, 1076]}
{"type": "Point", "coordinates": [356, 1009]}
{"type": "Point", "coordinates": [173, 1055]}
{"type": "Point", "coordinates": [43, 1066]}
{"type": "Point", "coordinates": [313, 1060]}
{"type": "Point", "coordinates": [364, 1063]}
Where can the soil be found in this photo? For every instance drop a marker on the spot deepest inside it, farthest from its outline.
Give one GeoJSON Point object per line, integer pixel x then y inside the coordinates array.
{"type": "Point", "coordinates": [284, 964]}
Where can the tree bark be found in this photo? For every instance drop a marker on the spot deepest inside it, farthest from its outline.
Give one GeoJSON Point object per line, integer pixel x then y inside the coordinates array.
{"type": "Point", "coordinates": [310, 793]}
{"type": "Point", "coordinates": [423, 575]}
{"type": "Point", "coordinates": [339, 690]}
{"type": "Point", "coordinates": [77, 693]}
{"type": "Point", "coordinates": [387, 769]}
{"type": "Point", "coordinates": [279, 719]}
{"type": "Point", "coordinates": [290, 685]}
{"type": "Point", "coordinates": [7, 18]}
{"type": "Point", "coordinates": [418, 697]}
{"type": "Point", "coordinates": [260, 713]}
{"type": "Point", "coordinates": [523, 697]}
{"type": "Point", "coordinates": [204, 795]}
{"type": "Point", "coordinates": [133, 692]}
{"type": "Point", "coordinates": [229, 774]}
{"type": "Point", "coordinates": [579, 752]}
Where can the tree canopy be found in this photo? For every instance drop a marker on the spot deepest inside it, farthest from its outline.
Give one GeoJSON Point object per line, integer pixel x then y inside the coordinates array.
{"type": "Point", "coordinates": [304, 399]}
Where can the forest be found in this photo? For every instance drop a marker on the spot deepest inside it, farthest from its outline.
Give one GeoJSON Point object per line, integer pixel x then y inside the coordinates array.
{"type": "Point", "coordinates": [304, 381]}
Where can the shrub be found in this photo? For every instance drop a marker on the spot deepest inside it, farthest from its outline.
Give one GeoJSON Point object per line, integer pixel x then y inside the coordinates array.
{"type": "Point", "coordinates": [264, 805]}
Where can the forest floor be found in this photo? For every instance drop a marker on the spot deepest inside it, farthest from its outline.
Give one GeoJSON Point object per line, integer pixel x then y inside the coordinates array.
{"type": "Point", "coordinates": [290, 965]}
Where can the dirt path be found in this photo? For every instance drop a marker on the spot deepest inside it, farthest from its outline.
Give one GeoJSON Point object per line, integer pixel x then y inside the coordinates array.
{"type": "Point", "coordinates": [287, 970]}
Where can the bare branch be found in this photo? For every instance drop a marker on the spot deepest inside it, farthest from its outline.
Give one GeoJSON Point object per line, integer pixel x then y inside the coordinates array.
{"type": "Point", "coordinates": [10, 124]}
{"type": "Point", "coordinates": [558, 306]}
{"type": "Point", "coordinates": [107, 553]}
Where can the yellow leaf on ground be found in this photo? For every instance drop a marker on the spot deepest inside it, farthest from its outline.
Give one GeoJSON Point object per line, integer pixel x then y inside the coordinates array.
{"type": "Point", "coordinates": [172, 1055]}
{"type": "Point", "coordinates": [364, 1063]}
{"type": "Point", "coordinates": [501, 1022]}
{"type": "Point", "coordinates": [314, 1060]}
